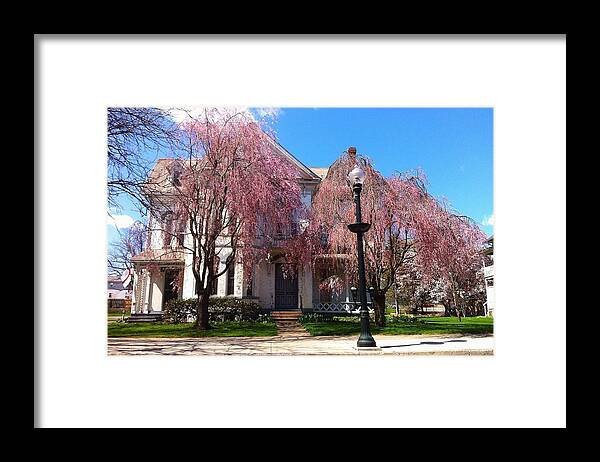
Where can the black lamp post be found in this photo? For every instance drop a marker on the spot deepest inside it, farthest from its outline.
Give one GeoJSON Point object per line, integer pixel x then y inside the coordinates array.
{"type": "Point", "coordinates": [356, 179]}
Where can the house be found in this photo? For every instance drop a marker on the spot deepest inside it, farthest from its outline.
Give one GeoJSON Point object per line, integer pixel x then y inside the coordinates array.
{"type": "Point", "coordinates": [116, 291]}
{"type": "Point", "coordinates": [152, 289]}
{"type": "Point", "coordinates": [118, 297]}
{"type": "Point", "coordinates": [488, 274]}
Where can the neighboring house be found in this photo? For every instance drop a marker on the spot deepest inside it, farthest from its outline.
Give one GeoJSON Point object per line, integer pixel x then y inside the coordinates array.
{"type": "Point", "coordinates": [152, 289]}
{"type": "Point", "coordinates": [488, 273]}
{"type": "Point", "coordinates": [116, 291]}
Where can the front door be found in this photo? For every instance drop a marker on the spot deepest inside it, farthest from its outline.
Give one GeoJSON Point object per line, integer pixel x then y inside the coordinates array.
{"type": "Point", "coordinates": [169, 292]}
{"type": "Point", "coordinates": [286, 290]}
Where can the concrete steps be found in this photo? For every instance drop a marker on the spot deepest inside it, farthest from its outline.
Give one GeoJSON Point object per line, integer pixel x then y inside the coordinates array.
{"type": "Point", "coordinates": [287, 323]}
{"type": "Point", "coordinates": [283, 316]}
{"type": "Point", "coordinates": [145, 317]}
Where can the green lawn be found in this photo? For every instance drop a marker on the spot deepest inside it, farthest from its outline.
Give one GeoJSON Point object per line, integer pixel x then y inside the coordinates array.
{"type": "Point", "coordinates": [221, 329]}
{"type": "Point", "coordinates": [422, 325]}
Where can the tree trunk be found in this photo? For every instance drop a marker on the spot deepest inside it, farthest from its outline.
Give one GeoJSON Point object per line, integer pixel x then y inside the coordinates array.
{"type": "Point", "coordinates": [379, 306]}
{"type": "Point", "coordinates": [202, 310]}
{"type": "Point", "coordinates": [397, 306]}
{"type": "Point", "coordinates": [456, 307]}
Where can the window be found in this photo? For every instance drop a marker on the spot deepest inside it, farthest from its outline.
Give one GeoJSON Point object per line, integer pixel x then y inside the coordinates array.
{"type": "Point", "coordinates": [168, 229]}
{"type": "Point", "coordinates": [307, 198]}
{"type": "Point", "coordinates": [249, 288]}
{"type": "Point", "coordinates": [215, 283]}
{"type": "Point", "coordinates": [230, 278]}
{"type": "Point", "coordinates": [176, 175]}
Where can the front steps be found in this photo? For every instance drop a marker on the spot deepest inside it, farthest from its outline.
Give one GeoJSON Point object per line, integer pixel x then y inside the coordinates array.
{"type": "Point", "coordinates": [287, 323]}
{"type": "Point", "coordinates": [286, 316]}
{"type": "Point", "coordinates": [145, 317]}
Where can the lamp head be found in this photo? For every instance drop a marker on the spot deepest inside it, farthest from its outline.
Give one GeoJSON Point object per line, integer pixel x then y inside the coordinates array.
{"type": "Point", "coordinates": [356, 176]}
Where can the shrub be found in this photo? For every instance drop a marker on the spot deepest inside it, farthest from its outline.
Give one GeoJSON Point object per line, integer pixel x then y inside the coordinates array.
{"type": "Point", "coordinates": [180, 310]}
{"type": "Point", "coordinates": [219, 309]}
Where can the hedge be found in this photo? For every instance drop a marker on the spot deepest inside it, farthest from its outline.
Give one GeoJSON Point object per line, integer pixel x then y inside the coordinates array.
{"type": "Point", "coordinates": [219, 309]}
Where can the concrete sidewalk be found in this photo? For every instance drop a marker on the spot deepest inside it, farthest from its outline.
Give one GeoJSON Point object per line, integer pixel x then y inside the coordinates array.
{"type": "Point", "coordinates": [303, 345]}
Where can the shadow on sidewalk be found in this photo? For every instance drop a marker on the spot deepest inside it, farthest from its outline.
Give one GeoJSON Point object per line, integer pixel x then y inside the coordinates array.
{"type": "Point", "coordinates": [422, 343]}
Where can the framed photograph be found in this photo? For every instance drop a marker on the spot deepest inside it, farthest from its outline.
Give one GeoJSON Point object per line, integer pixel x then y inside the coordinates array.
{"type": "Point", "coordinates": [234, 220]}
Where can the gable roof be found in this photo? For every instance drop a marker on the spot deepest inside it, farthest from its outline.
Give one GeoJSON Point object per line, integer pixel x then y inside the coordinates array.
{"type": "Point", "coordinates": [306, 173]}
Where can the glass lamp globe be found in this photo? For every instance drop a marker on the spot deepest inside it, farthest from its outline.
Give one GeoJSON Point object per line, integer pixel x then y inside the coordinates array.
{"type": "Point", "coordinates": [356, 176]}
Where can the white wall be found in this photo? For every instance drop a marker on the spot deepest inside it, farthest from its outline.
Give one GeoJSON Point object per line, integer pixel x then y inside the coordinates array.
{"type": "Point", "coordinates": [119, 294]}
{"type": "Point", "coordinates": [157, 281]}
{"type": "Point", "coordinates": [264, 284]}
{"type": "Point", "coordinates": [189, 282]}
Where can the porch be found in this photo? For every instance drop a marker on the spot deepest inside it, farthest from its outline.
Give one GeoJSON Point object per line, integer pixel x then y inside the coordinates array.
{"type": "Point", "coordinates": [331, 287]}
{"type": "Point", "coordinates": [157, 278]}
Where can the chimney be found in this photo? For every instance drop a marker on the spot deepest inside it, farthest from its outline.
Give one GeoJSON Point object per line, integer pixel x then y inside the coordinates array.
{"type": "Point", "coordinates": [352, 152]}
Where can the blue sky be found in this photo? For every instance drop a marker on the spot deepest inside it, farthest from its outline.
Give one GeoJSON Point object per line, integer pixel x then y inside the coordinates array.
{"type": "Point", "coordinates": [453, 146]}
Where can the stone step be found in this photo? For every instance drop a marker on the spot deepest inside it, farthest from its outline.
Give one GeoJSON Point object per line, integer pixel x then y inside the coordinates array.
{"type": "Point", "coordinates": [145, 317]}
{"type": "Point", "coordinates": [286, 314]}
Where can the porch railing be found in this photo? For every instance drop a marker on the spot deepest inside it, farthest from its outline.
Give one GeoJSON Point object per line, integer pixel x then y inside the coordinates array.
{"type": "Point", "coordinates": [336, 307]}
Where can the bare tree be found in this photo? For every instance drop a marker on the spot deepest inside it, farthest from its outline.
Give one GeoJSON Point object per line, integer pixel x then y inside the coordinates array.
{"type": "Point", "coordinates": [133, 134]}
{"type": "Point", "coordinates": [131, 242]}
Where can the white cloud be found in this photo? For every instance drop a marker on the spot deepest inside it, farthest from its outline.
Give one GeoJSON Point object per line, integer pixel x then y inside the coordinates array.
{"type": "Point", "coordinates": [196, 112]}
{"type": "Point", "coordinates": [186, 113]}
{"type": "Point", "coordinates": [488, 220]}
{"type": "Point", "coordinates": [120, 221]}
{"type": "Point", "coordinates": [268, 111]}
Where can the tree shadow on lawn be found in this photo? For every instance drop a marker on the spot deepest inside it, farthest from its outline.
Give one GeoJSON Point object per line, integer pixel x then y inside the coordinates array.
{"type": "Point", "coordinates": [164, 330]}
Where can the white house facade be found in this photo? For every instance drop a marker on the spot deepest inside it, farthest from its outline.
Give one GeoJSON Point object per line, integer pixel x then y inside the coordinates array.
{"type": "Point", "coordinates": [156, 267]}
{"type": "Point", "coordinates": [488, 274]}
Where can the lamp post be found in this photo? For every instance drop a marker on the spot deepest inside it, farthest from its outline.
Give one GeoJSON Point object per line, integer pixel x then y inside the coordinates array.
{"type": "Point", "coordinates": [356, 179]}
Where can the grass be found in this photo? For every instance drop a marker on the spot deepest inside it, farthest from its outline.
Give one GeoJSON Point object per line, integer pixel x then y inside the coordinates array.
{"type": "Point", "coordinates": [221, 329]}
{"type": "Point", "coordinates": [421, 325]}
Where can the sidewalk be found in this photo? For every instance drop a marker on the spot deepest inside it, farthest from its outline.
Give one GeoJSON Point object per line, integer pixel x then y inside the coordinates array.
{"type": "Point", "coordinates": [303, 345]}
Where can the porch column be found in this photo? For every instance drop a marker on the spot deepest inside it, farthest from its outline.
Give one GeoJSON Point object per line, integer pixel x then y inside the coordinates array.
{"type": "Point", "coordinates": [136, 299]}
{"type": "Point", "coordinates": [146, 289]}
